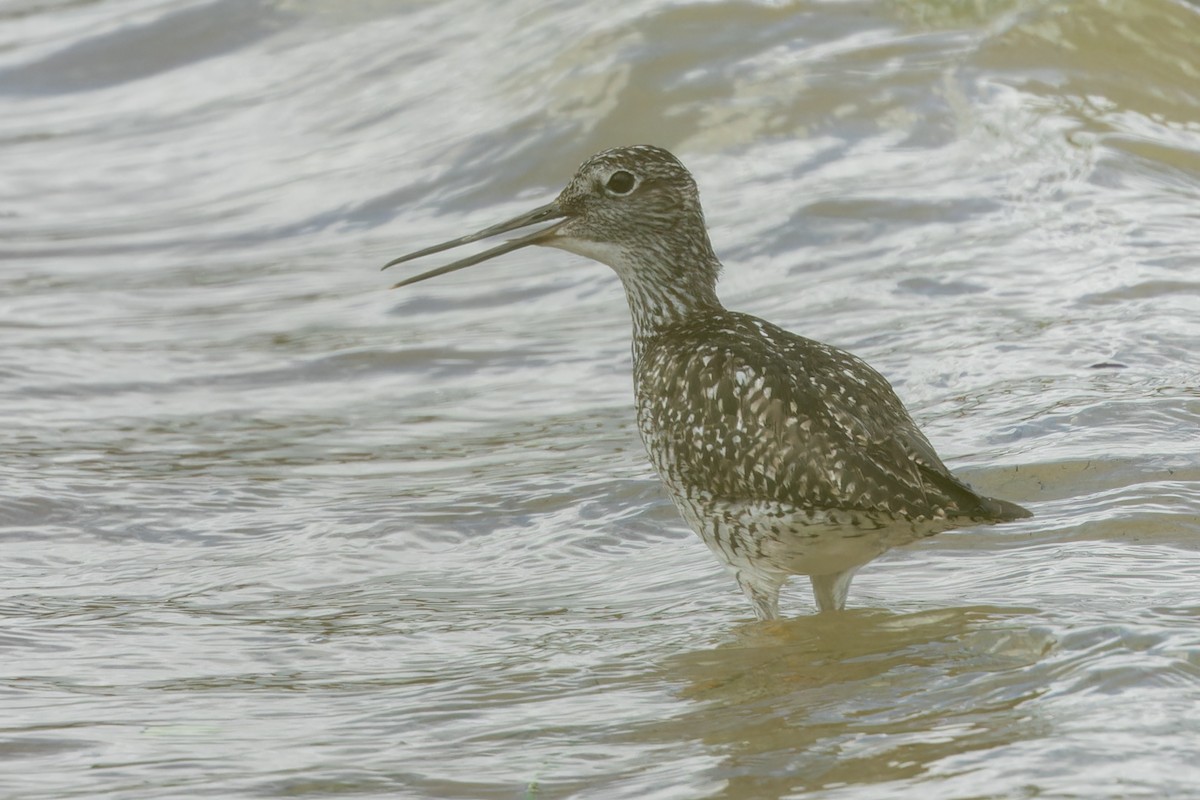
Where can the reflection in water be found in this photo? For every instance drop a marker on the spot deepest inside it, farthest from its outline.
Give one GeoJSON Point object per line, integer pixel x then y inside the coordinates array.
{"type": "Point", "coordinates": [859, 697]}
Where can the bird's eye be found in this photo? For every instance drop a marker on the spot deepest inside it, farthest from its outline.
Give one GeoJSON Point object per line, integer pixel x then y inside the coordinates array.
{"type": "Point", "coordinates": [621, 182]}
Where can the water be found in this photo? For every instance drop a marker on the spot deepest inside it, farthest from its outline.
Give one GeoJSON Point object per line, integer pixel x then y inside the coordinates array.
{"type": "Point", "coordinates": [271, 530]}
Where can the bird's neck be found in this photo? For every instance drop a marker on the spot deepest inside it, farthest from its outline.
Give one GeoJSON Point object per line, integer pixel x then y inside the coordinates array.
{"type": "Point", "coordinates": [663, 295]}
{"type": "Point", "coordinates": [665, 285]}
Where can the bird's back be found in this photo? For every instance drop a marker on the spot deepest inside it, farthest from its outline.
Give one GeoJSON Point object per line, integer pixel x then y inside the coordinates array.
{"type": "Point", "coordinates": [737, 408]}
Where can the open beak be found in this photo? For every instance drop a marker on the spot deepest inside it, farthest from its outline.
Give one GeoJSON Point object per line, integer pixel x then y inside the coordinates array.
{"type": "Point", "coordinates": [543, 214]}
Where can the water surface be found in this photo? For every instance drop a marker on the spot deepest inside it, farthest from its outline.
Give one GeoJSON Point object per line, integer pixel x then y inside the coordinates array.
{"type": "Point", "coordinates": [272, 530]}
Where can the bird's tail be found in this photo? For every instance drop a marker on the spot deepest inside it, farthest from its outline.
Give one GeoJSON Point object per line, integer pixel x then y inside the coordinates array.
{"type": "Point", "coordinates": [1002, 510]}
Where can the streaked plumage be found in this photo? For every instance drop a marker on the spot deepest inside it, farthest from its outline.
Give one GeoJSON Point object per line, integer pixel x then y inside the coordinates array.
{"type": "Point", "coordinates": [787, 456]}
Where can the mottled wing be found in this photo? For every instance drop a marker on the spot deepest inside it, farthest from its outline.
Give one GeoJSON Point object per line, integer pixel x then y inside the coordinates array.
{"type": "Point", "coordinates": [749, 411]}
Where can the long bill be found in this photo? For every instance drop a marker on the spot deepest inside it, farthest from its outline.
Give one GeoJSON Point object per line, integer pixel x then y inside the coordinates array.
{"type": "Point", "coordinates": [542, 214]}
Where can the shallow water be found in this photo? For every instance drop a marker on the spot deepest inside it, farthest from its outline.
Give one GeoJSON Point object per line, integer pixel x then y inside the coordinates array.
{"type": "Point", "coordinates": [271, 530]}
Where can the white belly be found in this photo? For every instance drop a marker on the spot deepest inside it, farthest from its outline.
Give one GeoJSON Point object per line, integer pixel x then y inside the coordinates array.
{"type": "Point", "coordinates": [770, 537]}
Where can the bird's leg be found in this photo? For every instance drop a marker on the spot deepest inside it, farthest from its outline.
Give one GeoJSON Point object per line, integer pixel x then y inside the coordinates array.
{"type": "Point", "coordinates": [830, 590]}
{"type": "Point", "coordinates": [763, 591]}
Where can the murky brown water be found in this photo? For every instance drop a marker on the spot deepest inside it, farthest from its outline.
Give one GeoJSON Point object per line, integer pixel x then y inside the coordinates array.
{"type": "Point", "coordinates": [271, 530]}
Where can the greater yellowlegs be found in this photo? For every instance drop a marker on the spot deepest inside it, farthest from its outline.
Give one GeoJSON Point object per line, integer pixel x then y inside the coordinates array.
{"type": "Point", "coordinates": [787, 456]}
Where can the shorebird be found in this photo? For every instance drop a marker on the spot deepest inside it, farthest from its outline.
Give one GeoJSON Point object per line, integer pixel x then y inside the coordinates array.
{"type": "Point", "coordinates": [787, 456]}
